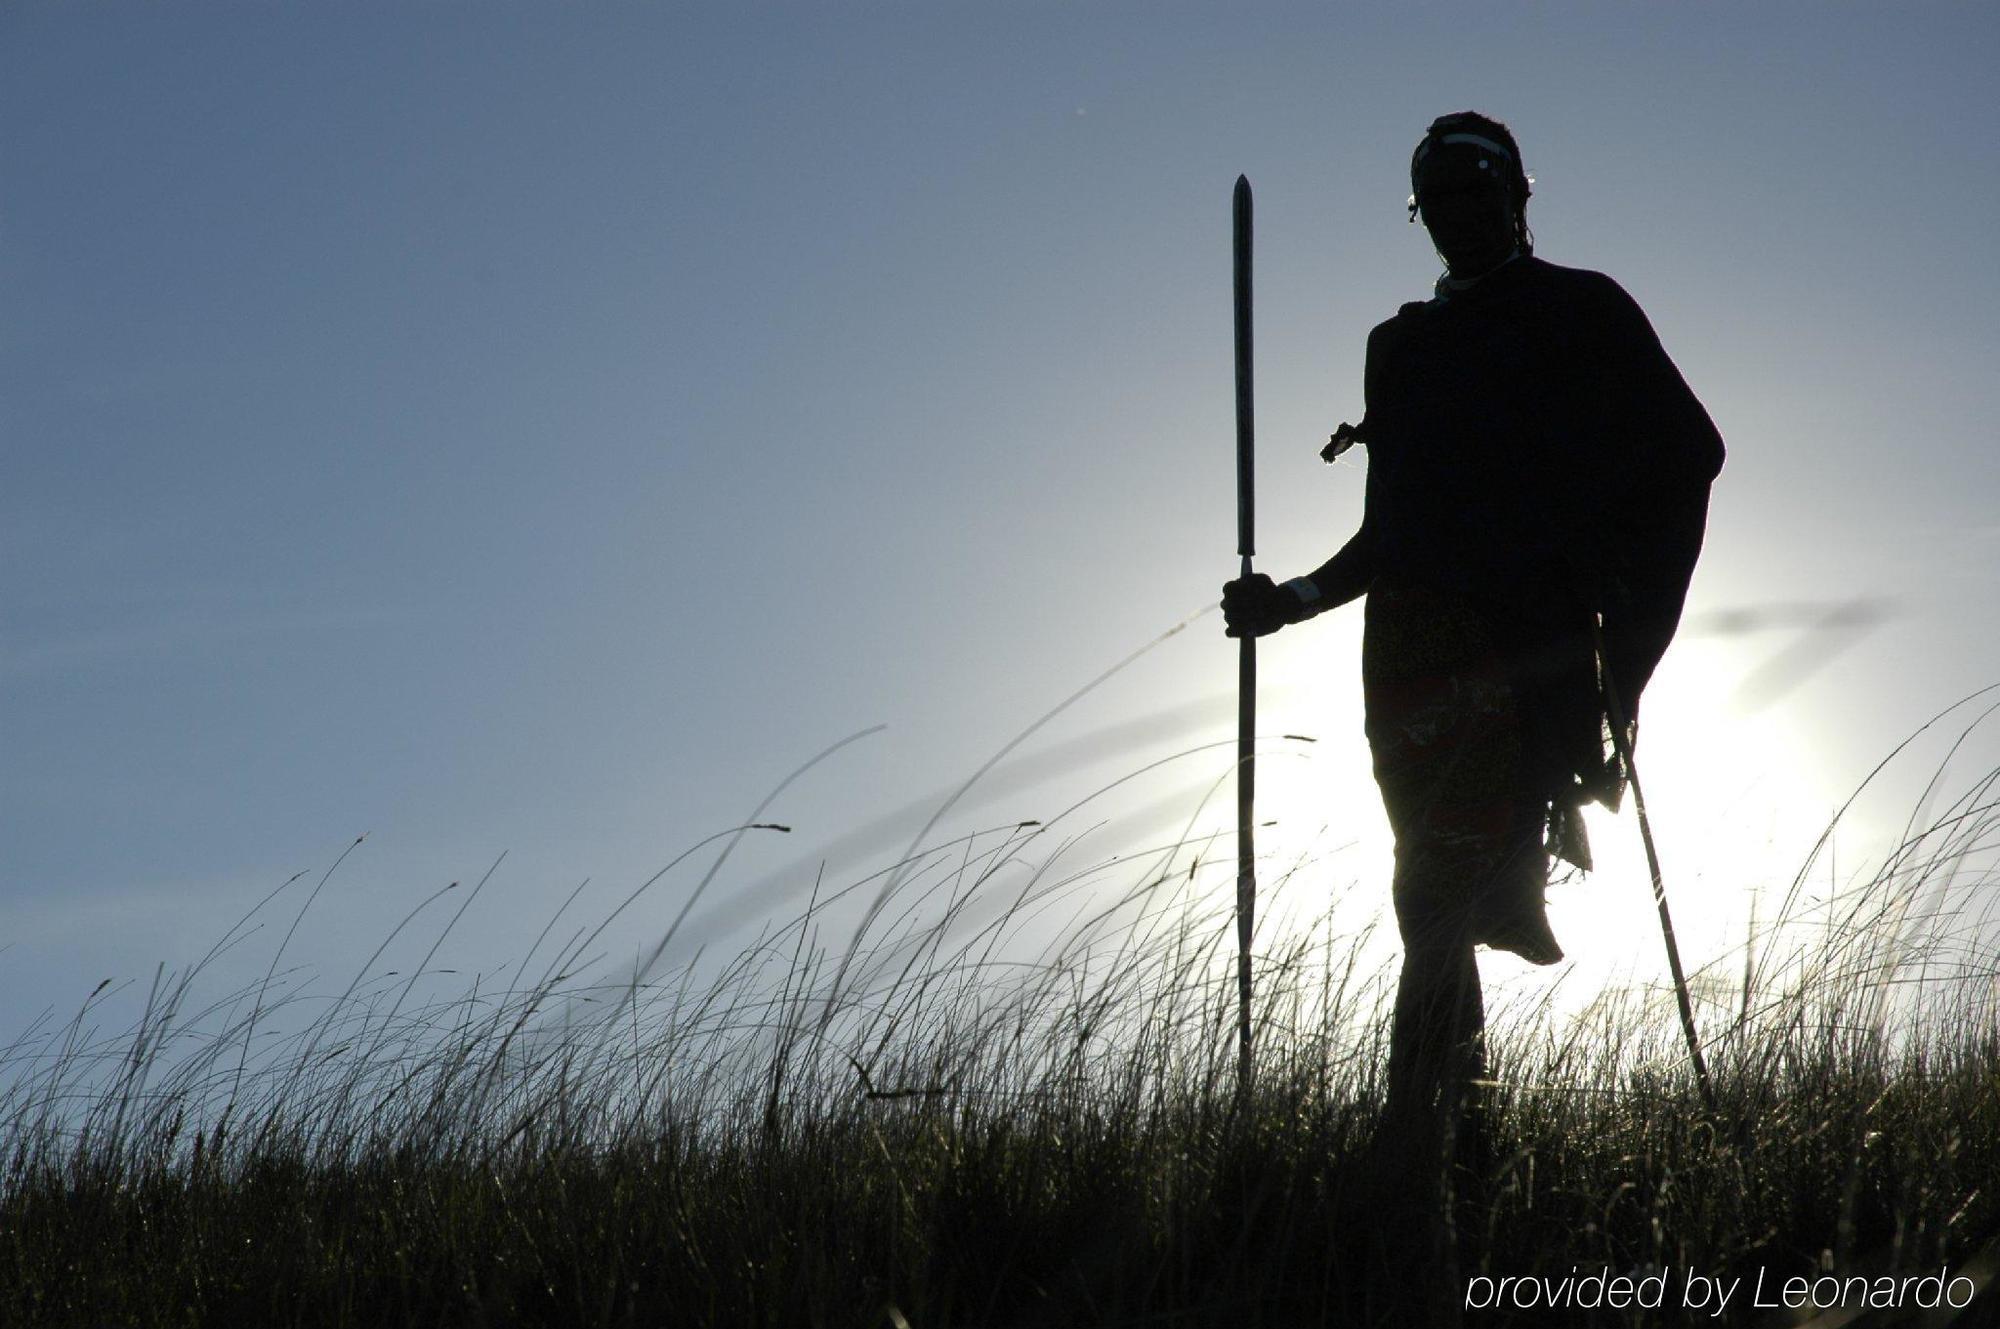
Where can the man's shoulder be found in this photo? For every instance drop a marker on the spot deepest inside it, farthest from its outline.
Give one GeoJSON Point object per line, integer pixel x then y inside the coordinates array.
{"type": "Point", "coordinates": [1579, 283]}
{"type": "Point", "coordinates": [1400, 323]}
{"type": "Point", "coordinates": [1552, 283]}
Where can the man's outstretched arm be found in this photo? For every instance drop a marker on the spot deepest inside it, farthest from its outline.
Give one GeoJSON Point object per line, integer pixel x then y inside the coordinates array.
{"type": "Point", "coordinates": [1343, 578]}
{"type": "Point", "coordinates": [1256, 606]}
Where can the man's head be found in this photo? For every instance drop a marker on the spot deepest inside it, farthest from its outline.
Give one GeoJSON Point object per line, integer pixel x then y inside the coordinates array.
{"type": "Point", "coordinates": [1467, 182]}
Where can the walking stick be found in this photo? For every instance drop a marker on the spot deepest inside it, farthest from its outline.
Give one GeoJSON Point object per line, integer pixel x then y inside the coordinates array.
{"type": "Point", "coordinates": [1246, 669]}
{"type": "Point", "coordinates": [1623, 745]}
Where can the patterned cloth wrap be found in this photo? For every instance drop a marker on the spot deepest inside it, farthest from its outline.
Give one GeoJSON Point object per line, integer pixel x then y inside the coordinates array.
{"type": "Point", "coordinates": [1446, 738]}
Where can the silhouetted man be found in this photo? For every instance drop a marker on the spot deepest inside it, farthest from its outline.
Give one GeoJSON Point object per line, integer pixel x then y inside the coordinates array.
{"type": "Point", "coordinates": [1536, 467]}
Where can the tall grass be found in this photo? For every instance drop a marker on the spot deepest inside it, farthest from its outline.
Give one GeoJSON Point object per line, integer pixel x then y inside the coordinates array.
{"type": "Point", "coordinates": [943, 1120]}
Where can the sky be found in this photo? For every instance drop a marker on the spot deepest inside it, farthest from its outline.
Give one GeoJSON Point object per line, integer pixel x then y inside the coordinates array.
{"type": "Point", "coordinates": [540, 429]}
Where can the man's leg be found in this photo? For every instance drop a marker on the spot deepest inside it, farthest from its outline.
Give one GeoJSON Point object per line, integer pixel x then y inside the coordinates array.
{"type": "Point", "coordinates": [1437, 1034]}
{"type": "Point", "coordinates": [1435, 1050]}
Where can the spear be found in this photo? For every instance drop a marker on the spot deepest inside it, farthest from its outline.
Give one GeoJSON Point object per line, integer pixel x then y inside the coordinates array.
{"type": "Point", "coordinates": [1621, 739]}
{"type": "Point", "coordinates": [1246, 669]}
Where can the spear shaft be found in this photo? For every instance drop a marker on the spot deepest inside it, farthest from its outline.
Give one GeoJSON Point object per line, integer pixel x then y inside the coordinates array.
{"type": "Point", "coordinates": [1621, 733]}
{"type": "Point", "coordinates": [1246, 670]}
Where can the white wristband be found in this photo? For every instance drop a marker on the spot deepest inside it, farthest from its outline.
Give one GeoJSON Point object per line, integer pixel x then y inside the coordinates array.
{"type": "Point", "coordinates": [1308, 594]}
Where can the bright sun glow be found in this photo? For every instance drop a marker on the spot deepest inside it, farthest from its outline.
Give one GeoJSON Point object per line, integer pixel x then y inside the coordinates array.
{"type": "Point", "coordinates": [1736, 804]}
